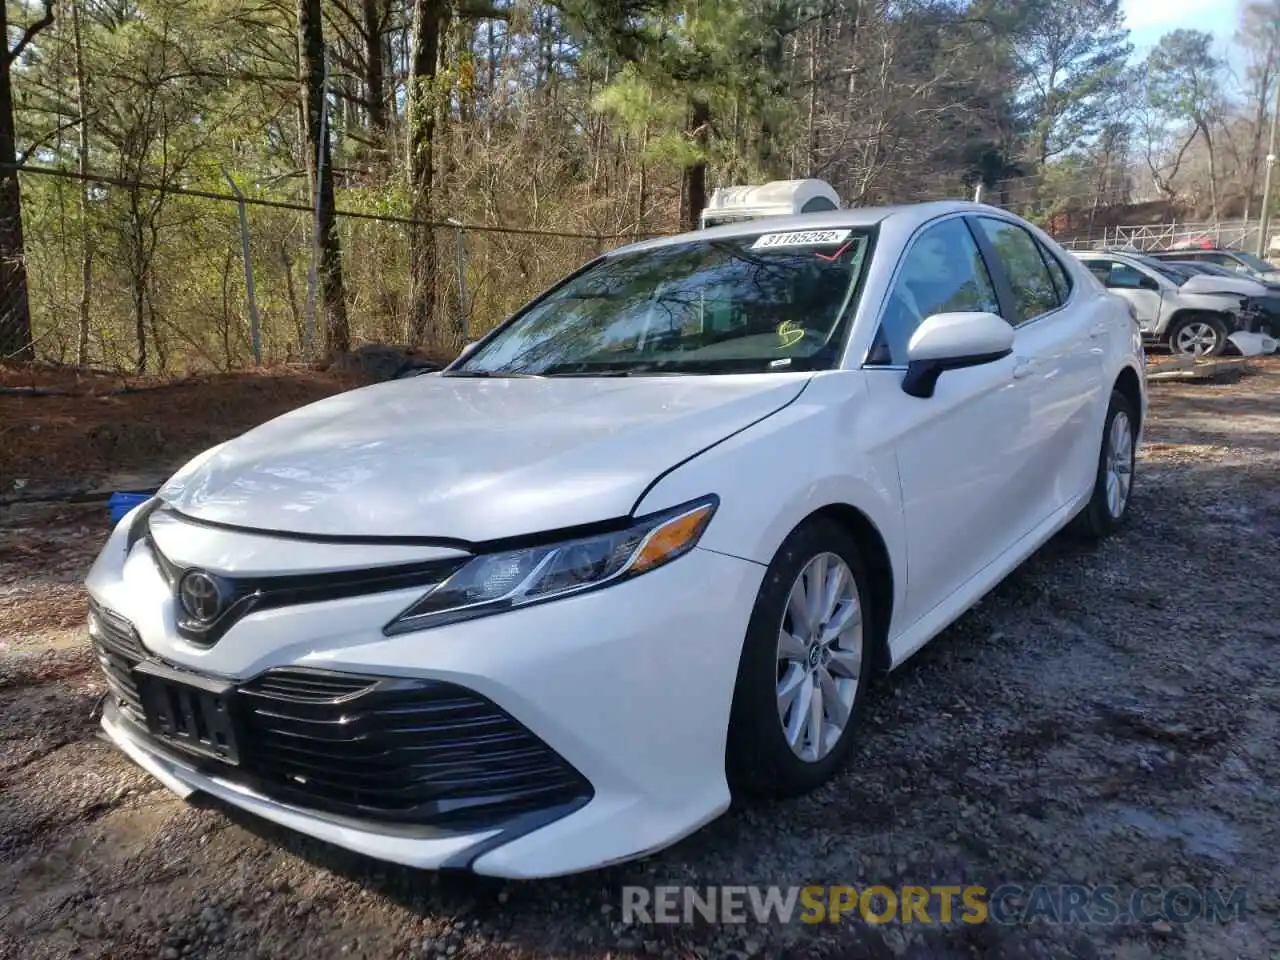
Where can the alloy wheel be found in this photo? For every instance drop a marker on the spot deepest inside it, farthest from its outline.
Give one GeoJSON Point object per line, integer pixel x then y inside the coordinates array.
{"type": "Point", "coordinates": [1196, 339]}
{"type": "Point", "coordinates": [1119, 466]}
{"type": "Point", "coordinates": [820, 645]}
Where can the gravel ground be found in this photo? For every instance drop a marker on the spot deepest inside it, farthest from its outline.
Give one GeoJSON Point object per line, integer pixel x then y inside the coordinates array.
{"type": "Point", "coordinates": [1107, 715]}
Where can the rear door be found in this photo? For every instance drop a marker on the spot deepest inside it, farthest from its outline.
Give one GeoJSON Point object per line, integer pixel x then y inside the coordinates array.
{"type": "Point", "coordinates": [1059, 338]}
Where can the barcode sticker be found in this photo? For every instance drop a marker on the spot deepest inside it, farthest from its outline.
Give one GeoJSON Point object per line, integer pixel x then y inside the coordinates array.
{"type": "Point", "coordinates": [801, 238]}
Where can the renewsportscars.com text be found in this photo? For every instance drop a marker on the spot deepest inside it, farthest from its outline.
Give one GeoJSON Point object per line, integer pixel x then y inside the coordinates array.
{"type": "Point", "coordinates": [940, 904]}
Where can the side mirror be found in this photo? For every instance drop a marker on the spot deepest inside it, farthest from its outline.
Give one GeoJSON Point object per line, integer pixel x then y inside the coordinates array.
{"type": "Point", "coordinates": [951, 341]}
{"type": "Point", "coordinates": [467, 348]}
{"type": "Point", "coordinates": [1147, 283]}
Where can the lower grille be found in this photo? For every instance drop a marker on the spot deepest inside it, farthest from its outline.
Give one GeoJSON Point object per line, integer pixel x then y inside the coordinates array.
{"type": "Point", "coordinates": [405, 751]}
{"type": "Point", "coordinates": [307, 686]}
{"type": "Point", "coordinates": [118, 647]}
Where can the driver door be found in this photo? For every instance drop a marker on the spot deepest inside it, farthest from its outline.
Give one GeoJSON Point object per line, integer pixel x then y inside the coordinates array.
{"type": "Point", "coordinates": [957, 451]}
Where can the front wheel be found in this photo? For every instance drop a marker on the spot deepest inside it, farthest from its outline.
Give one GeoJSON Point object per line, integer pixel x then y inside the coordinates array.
{"type": "Point", "coordinates": [1199, 335]}
{"type": "Point", "coordinates": [804, 666]}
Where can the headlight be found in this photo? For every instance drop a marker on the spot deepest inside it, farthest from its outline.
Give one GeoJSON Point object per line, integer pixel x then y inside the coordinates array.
{"type": "Point", "coordinates": [496, 582]}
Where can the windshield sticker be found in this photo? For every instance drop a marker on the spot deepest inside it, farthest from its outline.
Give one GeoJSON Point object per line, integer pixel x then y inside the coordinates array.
{"type": "Point", "coordinates": [790, 333]}
{"type": "Point", "coordinates": [801, 238]}
{"type": "Point", "coordinates": [837, 255]}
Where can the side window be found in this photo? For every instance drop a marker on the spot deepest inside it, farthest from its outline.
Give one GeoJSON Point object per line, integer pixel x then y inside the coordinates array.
{"type": "Point", "coordinates": [1124, 277]}
{"type": "Point", "coordinates": [1033, 289]}
{"type": "Point", "coordinates": [1100, 269]}
{"type": "Point", "coordinates": [942, 272]}
{"type": "Point", "coordinates": [1061, 279]}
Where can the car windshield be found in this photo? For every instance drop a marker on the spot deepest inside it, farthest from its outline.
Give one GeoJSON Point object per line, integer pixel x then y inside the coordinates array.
{"type": "Point", "coordinates": [1212, 269]}
{"type": "Point", "coordinates": [1253, 262]}
{"type": "Point", "coordinates": [1178, 275]}
{"type": "Point", "coordinates": [766, 302]}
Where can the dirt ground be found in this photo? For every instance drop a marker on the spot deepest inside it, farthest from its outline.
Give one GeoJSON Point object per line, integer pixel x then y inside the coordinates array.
{"type": "Point", "coordinates": [1107, 715]}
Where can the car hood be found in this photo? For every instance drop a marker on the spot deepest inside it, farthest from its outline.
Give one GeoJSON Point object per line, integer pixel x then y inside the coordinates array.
{"type": "Point", "coordinates": [1206, 283]}
{"type": "Point", "coordinates": [469, 459]}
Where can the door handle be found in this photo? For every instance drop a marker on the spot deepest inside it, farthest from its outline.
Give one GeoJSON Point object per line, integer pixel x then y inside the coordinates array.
{"type": "Point", "coordinates": [1023, 367]}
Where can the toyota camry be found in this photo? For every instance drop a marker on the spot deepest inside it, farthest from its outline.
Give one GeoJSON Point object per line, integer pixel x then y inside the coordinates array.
{"type": "Point", "coordinates": [640, 548]}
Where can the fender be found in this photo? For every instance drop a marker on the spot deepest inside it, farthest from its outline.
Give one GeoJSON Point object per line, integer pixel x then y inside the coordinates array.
{"type": "Point", "coordinates": [755, 474]}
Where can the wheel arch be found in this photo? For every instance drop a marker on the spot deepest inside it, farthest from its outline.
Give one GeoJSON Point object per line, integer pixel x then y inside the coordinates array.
{"type": "Point", "coordinates": [879, 569]}
{"type": "Point", "coordinates": [1130, 388]}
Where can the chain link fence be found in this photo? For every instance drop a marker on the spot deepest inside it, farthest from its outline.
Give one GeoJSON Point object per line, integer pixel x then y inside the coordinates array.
{"type": "Point", "coordinates": [130, 276]}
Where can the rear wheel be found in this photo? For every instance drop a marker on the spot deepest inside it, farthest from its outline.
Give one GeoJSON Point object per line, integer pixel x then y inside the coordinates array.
{"type": "Point", "coordinates": [1198, 335]}
{"type": "Point", "coordinates": [804, 666]}
{"type": "Point", "coordinates": [1113, 485]}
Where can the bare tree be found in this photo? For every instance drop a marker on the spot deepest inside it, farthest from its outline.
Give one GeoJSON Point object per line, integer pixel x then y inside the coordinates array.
{"type": "Point", "coordinates": [15, 305]}
{"type": "Point", "coordinates": [320, 173]}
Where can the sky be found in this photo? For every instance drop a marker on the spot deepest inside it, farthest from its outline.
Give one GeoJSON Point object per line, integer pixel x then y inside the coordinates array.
{"type": "Point", "coordinates": [1149, 19]}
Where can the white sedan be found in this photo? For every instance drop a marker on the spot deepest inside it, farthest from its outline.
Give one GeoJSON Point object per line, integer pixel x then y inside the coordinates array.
{"type": "Point", "coordinates": [643, 545]}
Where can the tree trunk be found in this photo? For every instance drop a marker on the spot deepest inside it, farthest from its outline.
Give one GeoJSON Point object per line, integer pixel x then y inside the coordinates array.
{"type": "Point", "coordinates": [1213, 169]}
{"type": "Point", "coordinates": [15, 305]}
{"type": "Point", "coordinates": [427, 17]}
{"type": "Point", "coordinates": [138, 278]}
{"type": "Point", "coordinates": [1255, 141]}
{"type": "Point", "coordinates": [82, 162]}
{"type": "Point", "coordinates": [320, 175]}
{"type": "Point", "coordinates": [695, 175]}
{"type": "Point", "coordinates": [811, 139]}
{"type": "Point", "coordinates": [374, 91]}
{"type": "Point", "coordinates": [642, 205]}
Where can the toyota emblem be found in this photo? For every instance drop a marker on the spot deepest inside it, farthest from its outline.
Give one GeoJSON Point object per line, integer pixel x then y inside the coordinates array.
{"type": "Point", "coordinates": [200, 596]}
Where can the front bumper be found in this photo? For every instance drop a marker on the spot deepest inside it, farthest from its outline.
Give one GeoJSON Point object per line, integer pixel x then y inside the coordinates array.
{"type": "Point", "coordinates": [630, 685]}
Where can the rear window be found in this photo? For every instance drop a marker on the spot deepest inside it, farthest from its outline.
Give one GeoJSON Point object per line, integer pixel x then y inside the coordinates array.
{"type": "Point", "coordinates": [1033, 286]}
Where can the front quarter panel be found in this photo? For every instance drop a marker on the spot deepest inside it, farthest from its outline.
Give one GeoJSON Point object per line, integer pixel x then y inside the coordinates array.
{"type": "Point", "coordinates": [824, 449]}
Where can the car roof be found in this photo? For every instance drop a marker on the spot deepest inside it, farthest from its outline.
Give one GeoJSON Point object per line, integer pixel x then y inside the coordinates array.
{"type": "Point", "coordinates": [1086, 254]}
{"type": "Point", "coordinates": [908, 214]}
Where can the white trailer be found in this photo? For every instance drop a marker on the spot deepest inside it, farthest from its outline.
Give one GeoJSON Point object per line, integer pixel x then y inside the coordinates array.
{"type": "Point", "coordinates": [780, 198]}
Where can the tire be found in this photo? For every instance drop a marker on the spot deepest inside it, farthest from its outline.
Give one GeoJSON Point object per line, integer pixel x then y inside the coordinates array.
{"type": "Point", "coordinates": [1099, 518]}
{"type": "Point", "coordinates": [1198, 335]}
{"type": "Point", "coordinates": [759, 759]}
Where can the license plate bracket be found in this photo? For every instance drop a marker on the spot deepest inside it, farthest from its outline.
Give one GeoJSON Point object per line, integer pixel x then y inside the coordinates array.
{"type": "Point", "coordinates": [194, 713]}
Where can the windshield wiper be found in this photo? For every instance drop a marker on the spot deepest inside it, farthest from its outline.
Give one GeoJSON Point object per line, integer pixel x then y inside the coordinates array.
{"type": "Point", "coordinates": [580, 368]}
{"type": "Point", "coordinates": [495, 374]}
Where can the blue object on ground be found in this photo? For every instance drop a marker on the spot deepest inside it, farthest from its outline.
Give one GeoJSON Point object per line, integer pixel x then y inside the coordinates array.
{"type": "Point", "coordinates": [123, 501]}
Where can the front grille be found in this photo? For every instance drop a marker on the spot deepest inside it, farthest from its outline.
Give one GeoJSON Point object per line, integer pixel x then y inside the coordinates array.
{"type": "Point", "coordinates": [373, 748]}
{"type": "Point", "coordinates": [118, 647]}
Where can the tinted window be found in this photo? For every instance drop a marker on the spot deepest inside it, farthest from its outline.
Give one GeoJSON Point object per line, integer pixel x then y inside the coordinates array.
{"type": "Point", "coordinates": [1116, 275]}
{"type": "Point", "coordinates": [1061, 279]}
{"type": "Point", "coordinates": [763, 302]}
{"type": "Point", "coordinates": [1253, 262]}
{"type": "Point", "coordinates": [942, 272]}
{"type": "Point", "coordinates": [1019, 254]}
{"type": "Point", "coordinates": [1100, 269]}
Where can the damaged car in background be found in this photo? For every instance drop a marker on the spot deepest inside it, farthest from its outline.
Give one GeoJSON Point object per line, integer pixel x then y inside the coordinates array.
{"type": "Point", "coordinates": [1194, 314]}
